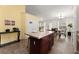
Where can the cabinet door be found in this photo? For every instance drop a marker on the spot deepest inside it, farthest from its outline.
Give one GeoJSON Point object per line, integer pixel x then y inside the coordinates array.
{"type": "Point", "coordinates": [51, 41]}
{"type": "Point", "coordinates": [77, 43]}
{"type": "Point", "coordinates": [34, 45]}
{"type": "Point", "coordinates": [45, 45]}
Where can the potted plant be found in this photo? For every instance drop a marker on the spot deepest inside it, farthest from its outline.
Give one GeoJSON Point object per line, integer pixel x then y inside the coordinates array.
{"type": "Point", "coordinates": [70, 28]}
{"type": "Point", "coordinates": [70, 25]}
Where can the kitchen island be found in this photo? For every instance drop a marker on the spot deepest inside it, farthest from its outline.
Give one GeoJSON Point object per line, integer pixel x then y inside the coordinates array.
{"type": "Point", "coordinates": [41, 42]}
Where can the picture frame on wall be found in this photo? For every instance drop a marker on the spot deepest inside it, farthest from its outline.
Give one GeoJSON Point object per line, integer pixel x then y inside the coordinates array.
{"type": "Point", "coordinates": [7, 22]}
{"type": "Point", "coordinates": [12, 23]}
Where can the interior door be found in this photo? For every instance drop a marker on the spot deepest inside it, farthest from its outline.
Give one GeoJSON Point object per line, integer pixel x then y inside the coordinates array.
{"type": "Point", "coordinates": [32, 25]}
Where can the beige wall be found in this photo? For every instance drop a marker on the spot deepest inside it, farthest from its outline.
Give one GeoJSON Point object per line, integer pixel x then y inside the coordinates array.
{"type": "Point", "coordinates": [12, 12]}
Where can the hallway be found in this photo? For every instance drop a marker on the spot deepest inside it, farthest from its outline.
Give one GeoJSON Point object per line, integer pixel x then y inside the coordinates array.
{"type": "Point", "coordinates": [62, 46]}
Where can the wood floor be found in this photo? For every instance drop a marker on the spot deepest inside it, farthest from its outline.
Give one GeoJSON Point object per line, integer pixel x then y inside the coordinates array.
{"type": "Point", "coordinates": [61, 46]}
{"type": "Point", "coordinates": [15, 48]}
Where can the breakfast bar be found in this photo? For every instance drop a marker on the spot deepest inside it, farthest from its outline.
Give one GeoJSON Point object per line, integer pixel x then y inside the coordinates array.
{"type": "Point", "coordinates": [41, 42]}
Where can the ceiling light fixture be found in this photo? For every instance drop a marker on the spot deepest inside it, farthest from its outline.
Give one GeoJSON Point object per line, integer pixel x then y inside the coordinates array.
{"type": "Point", "coordinates": [60, 15]}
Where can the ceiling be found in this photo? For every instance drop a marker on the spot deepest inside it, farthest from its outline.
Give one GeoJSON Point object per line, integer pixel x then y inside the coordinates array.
{"type": "Point", "coordinates": [50, 11]}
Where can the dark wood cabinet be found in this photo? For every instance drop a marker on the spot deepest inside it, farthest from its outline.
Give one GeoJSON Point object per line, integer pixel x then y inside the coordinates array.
{"type": "Point", "coordinates": [77, 45]}
{"type": "Point", "coordinates": [51, 41]}
{"type": "Point", "coordinates": [34, 45]}
{"type": "Point", "coordinates": [42, 45]}
{"type": "Point", "coordinates": [77, 41]}
{"type": "Point", "coordinates": [45, 45]}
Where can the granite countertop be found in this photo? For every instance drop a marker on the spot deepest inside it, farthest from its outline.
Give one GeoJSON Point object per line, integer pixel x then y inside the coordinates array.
{"type": "Point", "coordinates": [39, 34]}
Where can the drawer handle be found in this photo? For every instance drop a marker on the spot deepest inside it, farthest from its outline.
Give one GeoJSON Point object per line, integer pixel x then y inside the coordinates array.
{"type": "Point", "coordinates": [34, 42]}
